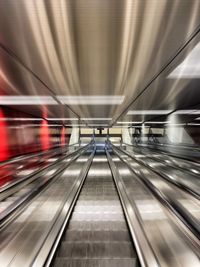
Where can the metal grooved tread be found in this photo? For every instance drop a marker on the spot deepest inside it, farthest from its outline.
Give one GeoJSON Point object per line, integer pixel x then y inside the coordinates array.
{"type": "Point", "coordinates": [97, 234]}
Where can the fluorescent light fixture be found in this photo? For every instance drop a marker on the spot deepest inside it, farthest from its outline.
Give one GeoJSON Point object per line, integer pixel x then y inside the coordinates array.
{"type": "Point", "coordinates": [27, 100]}
{"type": "Point", "coordinates": [91, 99]}
{"type": "Point", "coordinates": [148, 112]}
{"type": "Point", "coordinates": [187, 111]}
{"type": "Point", "coordinates": [190, 67]}
{"type": "Point", "coordinates": [156, 122]}
{"type": "Point", "coordinates": [129, 122]}
{"type": "Point", "coordinates": [197, 118]}
{"type": "Point", "coordinates": [97, 119]}
{"type": "Point", "coordinates": [62, 119]}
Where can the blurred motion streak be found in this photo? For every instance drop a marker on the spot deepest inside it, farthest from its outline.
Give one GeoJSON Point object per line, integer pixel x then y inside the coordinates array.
{"type": "Point", "coordinates": [44, 135]}
{"type": "Point", "coordinates": [4, 150]}
{"type": "Point", "coordinates": [63, 136]}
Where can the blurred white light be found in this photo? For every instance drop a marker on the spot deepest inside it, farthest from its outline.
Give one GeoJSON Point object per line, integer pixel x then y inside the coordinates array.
{"type": "Point", "coordinates": [91, 100]}
{"type": "Point", "coordinates": [75, 125]}
{"type": "Point", "coordinates": [120, 126]}
{"type": "Point", "coordinates": [98, 125]}
{"type": "Point", "coordinates": [176, 124]}
{"type": "Point", "coordinates": [190, 67]}
{"type": "Point", "coordinates": [187, 111]}
{"type": "Point", "coordinates": [27, 100]}
{"type": "Point", "coordinates": [148, 112]}
{"type": "Point", "coordinates": [62, 119]}
{"type": "Point", "coordinates": [97, 119]}
{"type": "Point", "coordinates": [21, 119]}
{"type": "Point", "coordinates": [99, 159]}
{"type": "Point", "coordinates": [129, 122]}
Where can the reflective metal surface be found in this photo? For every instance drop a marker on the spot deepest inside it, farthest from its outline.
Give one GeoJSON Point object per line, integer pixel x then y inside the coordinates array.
{"type": "Point", "coordinates": [22, 239]}
{"type": "Point", "coordinates": [100, 47]}
{"type": "Point", "coordinates": [97, 234]}
{"type": "Point", "coordinates": [170, 244]}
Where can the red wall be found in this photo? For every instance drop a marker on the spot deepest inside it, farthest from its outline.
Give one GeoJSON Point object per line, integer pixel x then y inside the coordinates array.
{"type": "Point", "coordinates": [19, 137]}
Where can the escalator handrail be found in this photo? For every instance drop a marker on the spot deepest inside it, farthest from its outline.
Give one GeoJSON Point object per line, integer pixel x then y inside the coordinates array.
{"type": "Point", "coordinates": [175, 182]}
{"type": "Point", "coordinates": [172, 205]}
{"type": "Point", "coordinates": [144, 250]}
{"type": "Point", "coordinates": [32, 155]}
{"type": "Point", "coordinates": [49, 246]}
{"type": "Point", "coordinates": [18, 181]}
{"type": "Point", "coordinates": [19, 204]}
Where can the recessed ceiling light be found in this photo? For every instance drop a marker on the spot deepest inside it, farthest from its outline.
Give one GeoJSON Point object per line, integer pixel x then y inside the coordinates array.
{"type": "Point", "coordinates": [148, 112]}
{"type": "Point", "coordinates": [91, 100]}
{"type": "Point", "coordinates": [27, 100]}
{"type": "Point", "coordinates": [190, 67]}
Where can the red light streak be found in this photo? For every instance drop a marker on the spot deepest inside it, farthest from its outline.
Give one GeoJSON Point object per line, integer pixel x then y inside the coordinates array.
{"type": "Point", "coordinates": [44, 135]}
{"type": "Point", "coordinates": [63, 136]}
{"type": "Point", "coordinates": [4, 144]}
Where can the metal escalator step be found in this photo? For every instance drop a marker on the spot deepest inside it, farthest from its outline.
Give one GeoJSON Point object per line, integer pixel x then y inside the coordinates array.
{"type": "Point", "coordinates": [95, 225]}
{"type": "Point", "coordinates": [96, 250]}
{"type": "Point", "coordinates": [65, 262]}
{"type": "Point", "coordinates": [96, 235]}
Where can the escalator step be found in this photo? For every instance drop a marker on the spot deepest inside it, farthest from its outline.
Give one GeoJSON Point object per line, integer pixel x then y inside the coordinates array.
{"type": "Point", "coordinates": [64, 262]}
{"type": "Point", "coordinates": [96, 250]}
{"type": "Point", "coordinates": [90, 236]}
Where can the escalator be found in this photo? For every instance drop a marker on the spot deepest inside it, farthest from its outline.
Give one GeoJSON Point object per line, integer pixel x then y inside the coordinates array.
{"type": "Point", "coordinates": [97, 233]}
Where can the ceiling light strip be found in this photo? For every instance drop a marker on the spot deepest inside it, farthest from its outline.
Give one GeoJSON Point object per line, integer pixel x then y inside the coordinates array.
{"type": "Point", "coordinates": [148, 112]}
{"type": "Point", "coordinates": [91, 100]}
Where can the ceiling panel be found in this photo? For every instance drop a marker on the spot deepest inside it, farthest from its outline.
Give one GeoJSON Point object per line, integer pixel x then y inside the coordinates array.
{"type": "Point", "coordinates": [96, 47]}
{"type": "Point", "coordinates": [171, 93]}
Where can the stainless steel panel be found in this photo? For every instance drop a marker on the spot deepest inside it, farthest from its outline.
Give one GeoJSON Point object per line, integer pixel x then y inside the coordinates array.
{"type": "Point", "coordinates": [97, 47]}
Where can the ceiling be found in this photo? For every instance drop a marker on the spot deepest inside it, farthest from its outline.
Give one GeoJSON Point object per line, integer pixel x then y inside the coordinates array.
{"type": "Point", "coordinates": [100, 48]}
